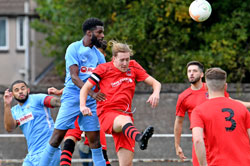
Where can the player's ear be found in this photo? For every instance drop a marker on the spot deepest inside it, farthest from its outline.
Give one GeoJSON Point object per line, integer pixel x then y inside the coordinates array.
{"type": "Point", "coordinates": [206, 87]}
{"type": "Point", "coordinates": [89, 33]}
{"type": "Point", "coordinates": [202, 75]}
{"type": "Point", "coordinates": [225, 88]}
{"type": "Point", "coordinates": [28, 90]}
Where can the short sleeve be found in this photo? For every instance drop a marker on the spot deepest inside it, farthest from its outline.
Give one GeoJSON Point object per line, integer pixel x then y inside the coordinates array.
{"type": "Point", "coordinates": [180, 107]}
{"type": "Point", "coordinates": [13, 113]}
{"type": "Point", "coordinates": [248, 119]}
{"type": "Point", "coordinates": [71, 56]}
{"type": "Point", "coordinates": [39, 98]}
{"type": "Point", "coordinates": [196, 119]}
{"type": "Point", "coordinates": [140, 73]}
{"type": "Point", "coordinates": [97, 74]}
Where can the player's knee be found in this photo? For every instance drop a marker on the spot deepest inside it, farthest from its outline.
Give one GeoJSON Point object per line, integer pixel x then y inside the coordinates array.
{"type": "Point", "coordinates": [69, 145]}
{"type": "Point", "coordinates": [94, 144]}
{"type": "Point", "coordinates": [56, 139]}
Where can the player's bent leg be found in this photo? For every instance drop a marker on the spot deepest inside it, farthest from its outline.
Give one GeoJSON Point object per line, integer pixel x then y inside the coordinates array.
{"type": "Point", "coordinates": [125, 157]}
{"type": "Point", "coordinates": [125, 124]}
{"type": "Point", "coordinates": [56, 158]}
{"type": "Point", "coordinates": [52, 147]}
{"type": "Point", "coordinates": [145, 136]}
{"type": "Point", "coordinates": [67, 152]}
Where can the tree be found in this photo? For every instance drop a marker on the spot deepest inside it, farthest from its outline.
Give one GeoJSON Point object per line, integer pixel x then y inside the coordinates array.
{"type": "Point", "coordinates": [163, 36]}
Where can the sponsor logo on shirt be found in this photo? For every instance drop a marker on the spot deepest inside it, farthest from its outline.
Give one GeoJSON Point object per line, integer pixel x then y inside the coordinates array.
{"type": "Point", "coordinates": [84, 60]}
{"type": "Point", "coordinates": [24, 119]}
{"type": "Point", "coordinates": [87, 70]}
{"type": "Point", "coordinates": [117, 83]}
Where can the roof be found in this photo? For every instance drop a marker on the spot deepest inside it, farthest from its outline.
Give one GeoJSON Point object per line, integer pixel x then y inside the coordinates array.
{"type": "Point", "coordinates": [16, 7]}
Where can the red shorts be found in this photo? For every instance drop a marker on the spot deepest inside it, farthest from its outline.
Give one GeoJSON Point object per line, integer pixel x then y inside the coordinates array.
{"type": "Point", "coordinates": [106, 119]}
{"type": "Point", "coordinates": [76, 132]}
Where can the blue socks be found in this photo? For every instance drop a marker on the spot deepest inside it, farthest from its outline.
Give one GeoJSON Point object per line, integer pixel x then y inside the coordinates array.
{"type": "Point", "coordinates": [50, 156]}
{"type": "Point", "coordinates": [97, 157]}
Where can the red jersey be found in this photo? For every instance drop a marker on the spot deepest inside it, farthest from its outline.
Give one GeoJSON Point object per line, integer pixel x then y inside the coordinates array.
{"type": "Point", "coordinates": [189, 99]}
{"type": "Point", "coordinates": [119, 87]}
{"type": "Point", "coordinates": [225, 123]}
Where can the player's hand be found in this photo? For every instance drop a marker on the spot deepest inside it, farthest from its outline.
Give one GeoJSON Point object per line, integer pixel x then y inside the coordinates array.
{"type": "Point", "coordinates": [154, 100]}
{"type": "Point", "coordinates": [99, 96]}
{"type": "Point", "coordinates": [53, 91]}
{"type": "Point", "coordinates": [180, 153]}
{"type": "Point", "coordinates": [85, 111]}
{"type": "Point", "coordinates": [8, 96]}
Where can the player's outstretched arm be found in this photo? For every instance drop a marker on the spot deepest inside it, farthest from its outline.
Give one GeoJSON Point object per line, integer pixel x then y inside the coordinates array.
{"type": "Point", "coordinates": [83, 98]}
{"type": "Point", "coordinates": [9, 122]}
{"type": "Point", "coordinates": [199, 145]}
{"type": "Point", "coordinates": [246, 104]}
{"type": "Point", "coordinates": [155, 96]}
{"type": "Point", "coordinates": [177, 136]}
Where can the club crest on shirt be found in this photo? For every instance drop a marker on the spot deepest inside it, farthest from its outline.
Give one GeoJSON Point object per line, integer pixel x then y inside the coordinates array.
{"type": "Point", "coordinates": [206, 95]}
{"type": "Point", "coordinates": [25, 118]}
{"type": "Point", "coordinates": [128, 73]}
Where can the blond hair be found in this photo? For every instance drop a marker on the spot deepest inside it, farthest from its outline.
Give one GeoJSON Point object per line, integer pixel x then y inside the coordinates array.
{"type": "Point", "coordinates": [120, 47]}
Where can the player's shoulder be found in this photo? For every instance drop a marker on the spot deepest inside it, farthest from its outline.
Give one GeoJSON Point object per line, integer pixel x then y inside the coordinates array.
{"type": "Point", "coordinates": [187, 92]}
{"type": "Point", "coordinates": [133, 63]}
{"type": "Point", "coordinates": [75, 45]}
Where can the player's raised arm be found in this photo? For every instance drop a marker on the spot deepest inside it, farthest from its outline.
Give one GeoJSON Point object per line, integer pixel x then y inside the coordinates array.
{"type": "Point", "coordinates": [155, 96]}
{"type": "Point", "coordinates": [54, 91]}
{"type": "Point", "coordinates": [83, 98]}
{"type": "Point", "coordinates": [9, 122]}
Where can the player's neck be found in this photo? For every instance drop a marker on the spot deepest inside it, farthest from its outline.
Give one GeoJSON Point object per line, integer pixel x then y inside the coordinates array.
{"type": "Point", "coordinates": [197, 86]}
{"type": "Point", "coordinates": [86, 42]}
{"type": "Point", "coordinates": [213, 94]}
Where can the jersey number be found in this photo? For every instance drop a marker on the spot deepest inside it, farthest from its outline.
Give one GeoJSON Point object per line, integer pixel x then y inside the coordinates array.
{"type": "Point", "coordinates": [230, 118]}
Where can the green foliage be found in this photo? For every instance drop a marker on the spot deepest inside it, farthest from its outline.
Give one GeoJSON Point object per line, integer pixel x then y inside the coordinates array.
{"type": "Point", "coordinates": [163, 36]}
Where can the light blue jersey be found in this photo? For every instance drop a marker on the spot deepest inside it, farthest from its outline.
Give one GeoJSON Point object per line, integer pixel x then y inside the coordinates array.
{"type": "Point", "coordinates": [86, 59]}
{"type": "Point", "coordinates": [36, 123]}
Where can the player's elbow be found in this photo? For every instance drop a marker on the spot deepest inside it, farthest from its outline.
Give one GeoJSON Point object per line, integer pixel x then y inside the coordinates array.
{"type": "Point", "coordinates": [197, 141]}
{"type": "Point", "coordinates": [8, 128]}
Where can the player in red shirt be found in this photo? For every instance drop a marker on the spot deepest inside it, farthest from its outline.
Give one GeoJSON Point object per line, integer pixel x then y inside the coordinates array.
{"type": "Point", "coordinates": [188, 100]}
{"type": "Point", "coordinates": [117, 80]}
{"type": "Point", "coordinates": [226, 126]}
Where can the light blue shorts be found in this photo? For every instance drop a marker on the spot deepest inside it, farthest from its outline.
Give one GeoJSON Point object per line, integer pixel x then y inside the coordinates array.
{"type": "Point", "coordinates": [34, 159]}
{"type": "Point", "coordinates": [70, 109]}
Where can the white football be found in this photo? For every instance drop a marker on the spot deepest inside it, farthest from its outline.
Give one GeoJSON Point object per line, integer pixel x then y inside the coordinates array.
{"type": "Point", "coordinates": [200, 10]}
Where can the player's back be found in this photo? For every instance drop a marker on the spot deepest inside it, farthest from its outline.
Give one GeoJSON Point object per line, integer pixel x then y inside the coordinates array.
{"type": "Point", "coordinates": [225, 126]}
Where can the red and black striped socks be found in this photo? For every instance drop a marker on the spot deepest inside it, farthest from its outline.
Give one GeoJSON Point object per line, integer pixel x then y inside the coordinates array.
{"type": "Point", "coordinates": [130, 131]}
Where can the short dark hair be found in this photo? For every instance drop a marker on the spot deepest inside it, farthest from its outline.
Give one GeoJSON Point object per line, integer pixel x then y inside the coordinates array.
{"type": "Point", "coordinates": [17, 82]}
{"type": "Point", "coordinates": [197, 63]}
{"type": "Point", "coordinates": [91, 24]}
{"type": "Point", "coordinates": [215, 79]}
{"type": "Point", "coordinates": [215, 73]}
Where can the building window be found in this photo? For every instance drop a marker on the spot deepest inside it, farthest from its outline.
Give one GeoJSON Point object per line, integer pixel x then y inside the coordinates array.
{"type": "Point", "coordinates": [4, 34]}
{"type": "Point", "coordinates": [20, 33]}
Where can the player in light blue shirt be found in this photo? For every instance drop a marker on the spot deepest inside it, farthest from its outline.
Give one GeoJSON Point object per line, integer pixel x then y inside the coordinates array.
{"type": "Point", "coordinates": [81, 57]}
{"type": "Point", "coordinates": [32, 115]}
